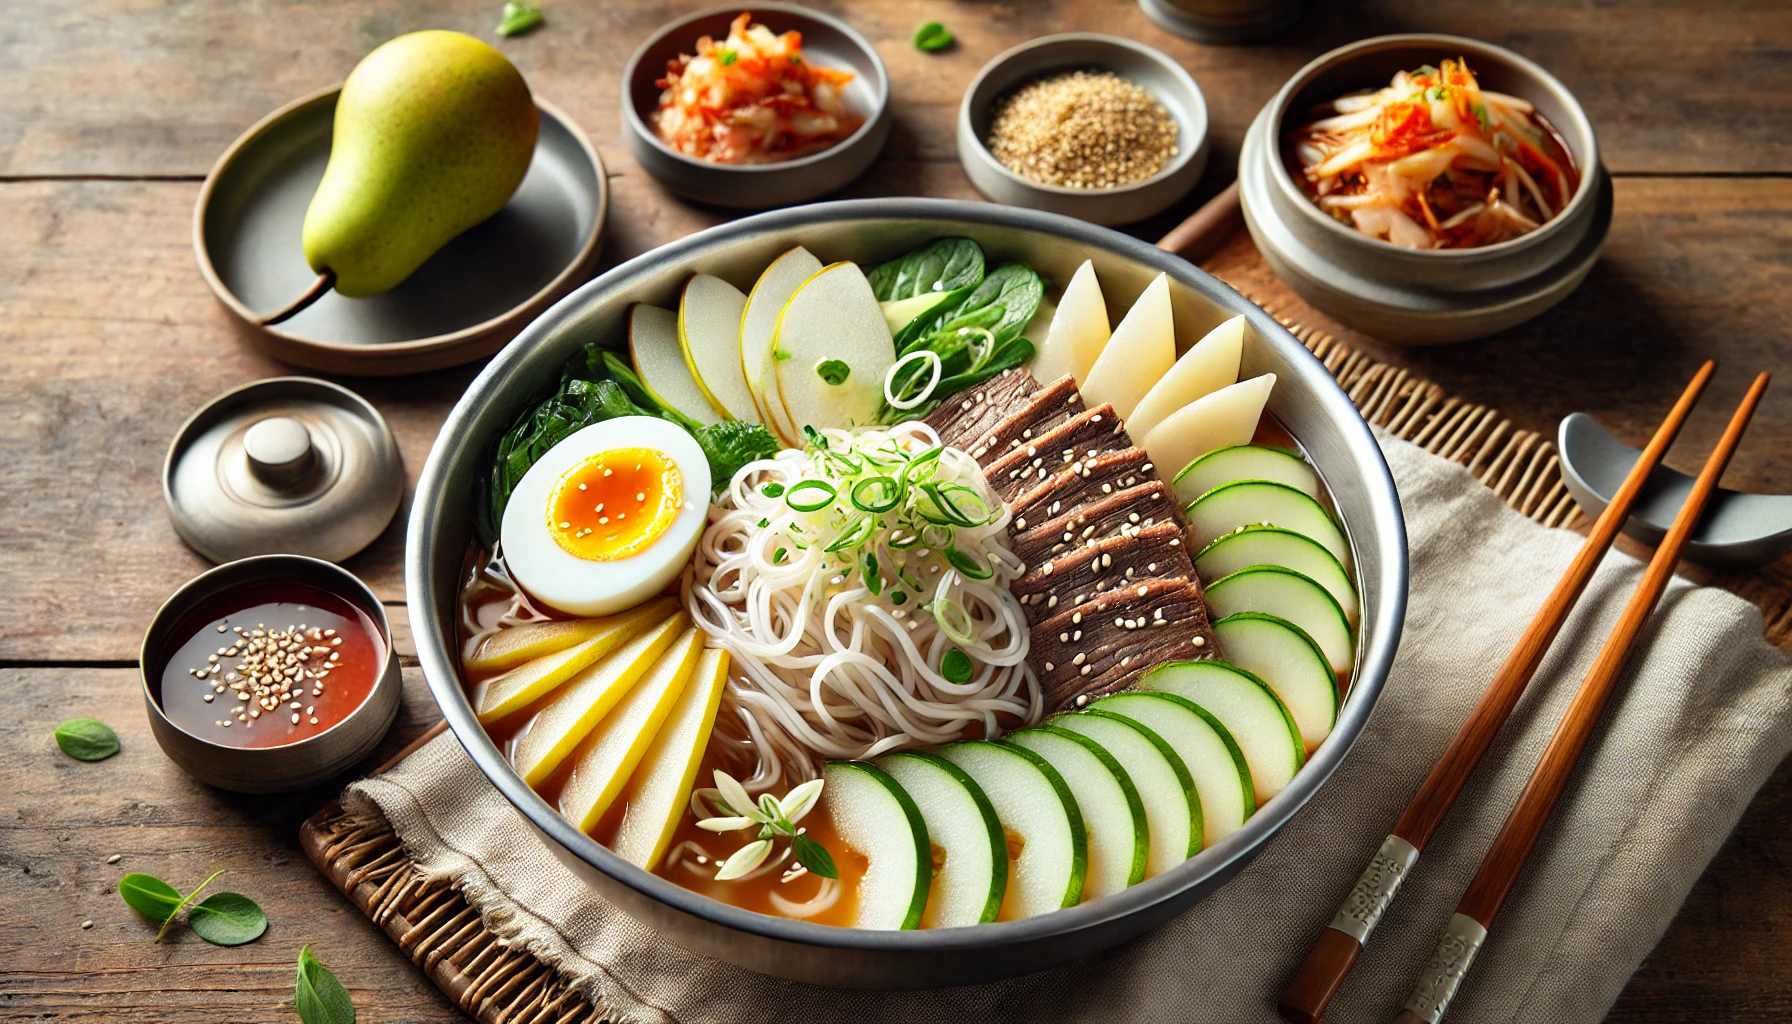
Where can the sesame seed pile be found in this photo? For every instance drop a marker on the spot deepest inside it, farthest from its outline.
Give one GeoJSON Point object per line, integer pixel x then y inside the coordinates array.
{"type": "Point", "coordinates": [1083, 130]}
{"type": "Point", "coordinates": [273, 667]}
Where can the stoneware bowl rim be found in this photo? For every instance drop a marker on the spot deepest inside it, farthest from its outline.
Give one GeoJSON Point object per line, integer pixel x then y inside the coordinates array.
{"type": "Point", "coordinates": [1589, 168]}
{"type": "Point", "coordinates": [642, 130]}
{"type": "Point", "coordinates": [454, 445]}
{"type": "Point", "coordinates": [1198, 129]}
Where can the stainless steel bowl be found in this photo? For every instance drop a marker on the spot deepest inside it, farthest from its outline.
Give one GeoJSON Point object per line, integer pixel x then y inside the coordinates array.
{"type": "Point", "coordinates": [1306, 400]}
{"type": "Point", "coordinates": [1420, 296]}
{"type": "Point", "coordinates": [827, 42]}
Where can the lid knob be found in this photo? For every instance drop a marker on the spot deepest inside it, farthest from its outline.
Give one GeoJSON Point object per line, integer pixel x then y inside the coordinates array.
{"type": "Point", "coordinates": [279, 449]}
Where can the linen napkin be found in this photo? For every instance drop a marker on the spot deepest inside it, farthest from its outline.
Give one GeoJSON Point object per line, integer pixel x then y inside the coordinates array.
{"type": "Point", "coordinates": [1702, 717]}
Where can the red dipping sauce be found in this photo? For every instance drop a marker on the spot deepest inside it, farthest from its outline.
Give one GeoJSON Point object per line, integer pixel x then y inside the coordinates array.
{"type": "Point", "coordinates": [270, 664]}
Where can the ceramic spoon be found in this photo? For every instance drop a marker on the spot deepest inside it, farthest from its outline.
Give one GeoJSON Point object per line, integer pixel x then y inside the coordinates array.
{"type": "Point", "coordinates": [1739, 531]}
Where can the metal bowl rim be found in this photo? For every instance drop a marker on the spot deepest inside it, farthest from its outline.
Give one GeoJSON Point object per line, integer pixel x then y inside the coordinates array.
{"type": "Point", "coordinates": [1376, 658]}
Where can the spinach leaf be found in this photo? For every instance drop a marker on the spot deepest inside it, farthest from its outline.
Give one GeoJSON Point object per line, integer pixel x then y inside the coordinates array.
{"type": "Point", "coordinates": [732, 444]}
{"type": "Point", "coordinates": [87, 739]}
{"type": "Point", "coordinates": [1002, 304]}
{"type": "Point", "coordinates": [943, 265]}
{"type": "Point", "coordinates": [227, 919]}
{"type": "Point", "coordinates": [318, 996]}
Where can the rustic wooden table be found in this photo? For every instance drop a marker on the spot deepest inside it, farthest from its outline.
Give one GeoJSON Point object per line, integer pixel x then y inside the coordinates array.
{"type": "Point", "coordinates": [112, 111]}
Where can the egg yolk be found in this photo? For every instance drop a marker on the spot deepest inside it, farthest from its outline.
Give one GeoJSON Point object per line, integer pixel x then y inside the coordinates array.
{"type": "Point", "coordinates": [615, 504]}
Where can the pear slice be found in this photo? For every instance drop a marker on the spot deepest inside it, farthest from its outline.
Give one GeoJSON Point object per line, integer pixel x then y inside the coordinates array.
{"type": "Point", "coordinates": [709, 312]}
{"type": "Point", "coordinates": [832, 325]}
{"type": "Point", "coordinates": [1140, 353]}
{"type": "Point", "coordinates": [604, 760]}
{"type": "Point", "coordinates": [660, 787]}
{"type": "Point", "coordinates": [508, 648]}
{"type": "Point", "coordinates": [1220, 420]}
{"type": "Point", "coordinates": [504, 695]}
{"type": "Point", "coordinates": [582, 703]}
{"type": "Point", "coordinates": [758, 326]}
{"type": "Point", "coordinates": [1078, 332]}
{"type": "Point", "coordinates": [659, 362]}
{"type": "Point", "coordinates": [1209, 365]}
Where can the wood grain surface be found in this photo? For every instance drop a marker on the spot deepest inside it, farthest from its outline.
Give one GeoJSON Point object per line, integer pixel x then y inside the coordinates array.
{"type": "Point", "coordinates": [111, 111]}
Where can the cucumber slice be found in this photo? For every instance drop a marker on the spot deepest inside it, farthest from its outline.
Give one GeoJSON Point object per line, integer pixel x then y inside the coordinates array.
{"type": "Point", "coordinates": [1119, 836]}
{"type": "Point", "coordinates": [1222, 778]}
{"type": "Point", "coordinates": [1047, 844]}
{"type": "Point", "coordinates": [1287, 594]}
{"type": "Point", "coordinates": [1250, 711]}
{"type": "Point", "coordinates": [1259, 502]}
{"type": "Point", "coordinates": [1285, 657]}
{"type": "Point", "coordinates": [875, 818]}
{"type": "Point", "coordinates": [1172, 807]}
{"type": "Point", "coordinates": [1272, 545]}
{"type": "Point", "coordinates": [966, 838]}
{"type": "Point", "coordinates": [1244, 462]}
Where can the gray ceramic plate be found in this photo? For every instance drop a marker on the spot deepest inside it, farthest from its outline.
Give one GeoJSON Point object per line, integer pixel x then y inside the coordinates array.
{"type": "Point", "coordinates": [1307, 400]}
{"type": "Point", "coordinates": [464, 303]}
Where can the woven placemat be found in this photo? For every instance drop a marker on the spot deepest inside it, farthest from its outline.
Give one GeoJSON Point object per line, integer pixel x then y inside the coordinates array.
{"type": "Point", "coordinates": [495, 984]}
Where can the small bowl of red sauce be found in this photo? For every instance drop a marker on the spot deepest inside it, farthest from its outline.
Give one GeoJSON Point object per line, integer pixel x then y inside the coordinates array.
{"type": "Point", "coordinates": [270, 674]}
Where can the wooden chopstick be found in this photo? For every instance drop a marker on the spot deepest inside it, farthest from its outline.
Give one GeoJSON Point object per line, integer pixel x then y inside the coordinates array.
{"type": "Point", "coordinates": [1506, 858]}
{"type": "Point", "coordinates": [1335, 953]}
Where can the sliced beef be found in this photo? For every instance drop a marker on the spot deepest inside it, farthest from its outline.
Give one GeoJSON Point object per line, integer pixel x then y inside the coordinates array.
{"type": "Point", "coordinates": [1083, 573]}
{"type": "Point", "coordinates": [1083, 436]}
{"type": "Point", "coordinates": [962, 417]}
{"type": "Point", "coordinates": [1083, 481]}
{"type": "Point", "coordinates": [1106, 643]}
{"type": "Point", "coordinates": [1121, 513]}
{"type": "Point", "coordinates": [1031, 417]}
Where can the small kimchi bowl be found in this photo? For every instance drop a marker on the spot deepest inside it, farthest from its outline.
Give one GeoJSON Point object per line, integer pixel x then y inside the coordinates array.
{"type": "Point", "coordinates": [827, 42]}
{"type": "Point", "coordinates": [1420, 296]}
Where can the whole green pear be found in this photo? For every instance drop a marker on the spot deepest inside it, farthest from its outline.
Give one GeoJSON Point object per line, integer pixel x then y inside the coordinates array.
{"type": "Point", "coordinates": [434, 131]}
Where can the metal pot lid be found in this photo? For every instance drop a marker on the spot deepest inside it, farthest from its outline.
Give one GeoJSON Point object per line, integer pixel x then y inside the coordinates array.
{"type": "Point", "coordinates": [289, 465]}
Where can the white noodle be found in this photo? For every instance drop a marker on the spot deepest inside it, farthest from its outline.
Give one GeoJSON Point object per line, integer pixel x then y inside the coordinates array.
{"type": "Point", "coordinates": [820, 667]}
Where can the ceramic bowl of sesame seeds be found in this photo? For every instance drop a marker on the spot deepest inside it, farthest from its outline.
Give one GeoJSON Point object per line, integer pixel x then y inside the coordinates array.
{"type": "Point", "coordinates": [270, 674]}
{"type": "Point", "coordinates": [1093, 126]}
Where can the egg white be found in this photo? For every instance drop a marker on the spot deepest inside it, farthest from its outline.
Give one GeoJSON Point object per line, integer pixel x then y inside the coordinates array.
{"type": "Point", "coordinates": [574, 585]}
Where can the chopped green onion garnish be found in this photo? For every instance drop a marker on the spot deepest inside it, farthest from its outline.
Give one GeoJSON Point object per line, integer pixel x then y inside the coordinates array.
{"type": "Point", "coordinates": [956, 666]}
{"type": "Point", "coordinates": [966, 564]}
{"type": "Point", "coordinates": [833, 372]}
{"type": "Point", "coordinates": [810, 496]}
{"type": "Point", "coordinates": [877, 494]}
{"type": "Point", "coordinates": [772, 490]}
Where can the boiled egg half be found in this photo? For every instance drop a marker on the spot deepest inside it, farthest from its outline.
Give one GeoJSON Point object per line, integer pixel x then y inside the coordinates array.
{"type": "Point", "coordinates": [608, 516]}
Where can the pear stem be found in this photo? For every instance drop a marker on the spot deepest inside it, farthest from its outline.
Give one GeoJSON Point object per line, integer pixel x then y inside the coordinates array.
{"type": "Point", "coordinates": [325, 281]}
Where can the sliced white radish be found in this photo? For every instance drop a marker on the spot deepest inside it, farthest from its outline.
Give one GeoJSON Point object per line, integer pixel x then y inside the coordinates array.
{"type": "Point", "coordinates": [1257, 719]}
{"type": "Point", "coordinates": [1222, 419]}
{"type": "Point", "coordinates": [758, 327]}
{"type": "Point", "coordinates": [875, 818]}
{"type": "Point", "coordinates": [659, 362]}
{"type": "Point", "coordinates": [1048, 846]}
{"type": "Point", "coordinates": [832, 350]}
{"type": "Point", "coordinates": [1260, 503]}
{"type": "Point", "coordinates": [1209, 365]}
{"type": "Point", "coordinates": [1078, 332]}
{"type": "Point", "coordinates": [1272, 545]}
{"type": "Point", "coordinates": [1222, 777]}
{"type": "Point", "coordinates": [1172, 807]}
{"type": "Point", "coordinates": [1119, 834]}
{"type": "Point", "coordinates": [660, 788]}
{"type": "Point", "coordinates": [1141, 351]}
{"type": "Point", "coordinates": [970, 853]}
{"type": "Point", "coordinates": [709, 314]}
{"type": "Point", "coordinates": [1287, 594]}
{"type": "Point", "coordinates": [1284, 657]}
{"type": "Point", "coordinates": [1244, 462]}
{"type": "Point", "coordinates": [600, 766]}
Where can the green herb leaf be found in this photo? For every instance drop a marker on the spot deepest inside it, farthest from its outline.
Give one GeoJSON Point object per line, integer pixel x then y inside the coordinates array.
{"type": "Point", "coordinates": [149, 896]}
{"type": "Point", "coordinates": [87, 739]}
{"type": "Point", "coordinates": [227, 919]}
{"type": "Point", "coordinates": [833, 372]}
{"type": "Point", "coordinates": [184, 900]}
{"type": "Point", "coordinates": [729, 57]}
{"type": "Point", "coordinates": [518, 18]}
{"type": "Point", "coordinates": [932, 37]}
{"type": "Point", "coordinates": [318, 996]}
{"type": "Point", "coordinates": [814, 856]}
{"type": "Point", "coordinates": [956, 666]}
{"type": "Point", "coordinates": [731, 444]}
{"type": "Point", "coordinates": [781, 355]}
{"type": "Point", "coordinates": [943, 266]}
